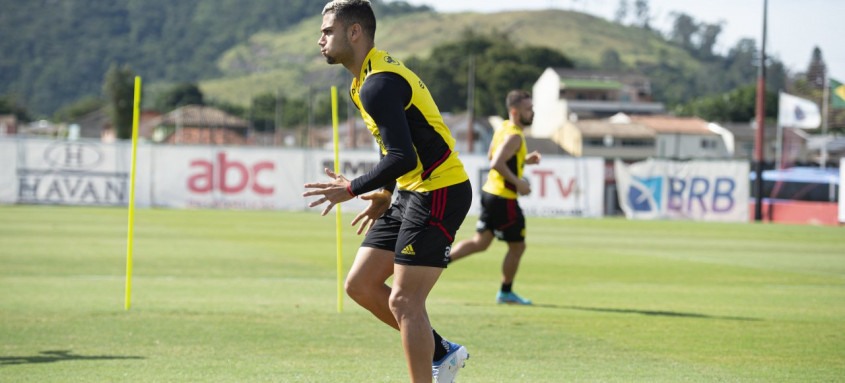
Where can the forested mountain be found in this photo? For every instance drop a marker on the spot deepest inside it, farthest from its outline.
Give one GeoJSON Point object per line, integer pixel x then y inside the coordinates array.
{"type": "Point", "coordinates": [56, 52]}
{"type": "Point", "coordinates": [53, 52]}
{"type": "Point", "coordinates": [438, 47]}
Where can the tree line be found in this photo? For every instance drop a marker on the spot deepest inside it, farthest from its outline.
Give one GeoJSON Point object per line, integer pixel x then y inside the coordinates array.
{"type": "Point", "coordinates": [179, 42]}
{"type": "Point", "coordinates": [57, 52]}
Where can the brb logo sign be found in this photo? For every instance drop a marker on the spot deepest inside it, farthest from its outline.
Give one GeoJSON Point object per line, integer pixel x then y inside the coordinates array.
{"type": "Point", "coordinates": [682, 195]}
{"type": "Point", "coordinates": [229, 176]}
{"type": "Point", "coordinates": [701, 190]}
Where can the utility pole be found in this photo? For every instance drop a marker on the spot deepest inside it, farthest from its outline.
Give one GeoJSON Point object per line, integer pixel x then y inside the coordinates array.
{"type": "Point", "coordinates": [759, 142]}
{"type": "Point", "coordinates": [308, 138]}
{"type": "Point", "coordinates": [277, 128]}
{"type": "Point", "coordinates": [471, 104]}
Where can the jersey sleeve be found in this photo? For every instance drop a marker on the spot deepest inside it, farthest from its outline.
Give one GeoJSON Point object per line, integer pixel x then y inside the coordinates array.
{"type": "Point", "coordinates": [384, 97]}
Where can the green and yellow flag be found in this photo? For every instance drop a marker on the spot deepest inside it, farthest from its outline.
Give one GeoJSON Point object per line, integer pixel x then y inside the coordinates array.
{"type": "Point", "coordinates": [837, 94]}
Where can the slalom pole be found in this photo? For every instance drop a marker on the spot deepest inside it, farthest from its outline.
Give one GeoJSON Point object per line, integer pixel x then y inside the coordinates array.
{"type": "Point", "coordinates": [338, 231]}
{"type": "Point", "coordinates": [131, 231]}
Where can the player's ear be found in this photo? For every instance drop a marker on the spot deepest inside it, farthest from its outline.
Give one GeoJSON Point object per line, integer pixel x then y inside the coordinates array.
{"type": "Point", "coordinates": [354, 32]}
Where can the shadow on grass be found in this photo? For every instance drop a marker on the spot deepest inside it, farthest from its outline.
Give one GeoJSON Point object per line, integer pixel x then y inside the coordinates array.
{"type": "Point", "coordinates": [641, 312]}
{"type": "Point", "coordinates": [57, 356]}
{"type": "Point", "coordinates": [647, 312]}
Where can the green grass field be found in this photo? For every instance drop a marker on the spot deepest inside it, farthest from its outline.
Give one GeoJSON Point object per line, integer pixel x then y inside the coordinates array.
{"type": "Point", "coordinates": [228, 296]}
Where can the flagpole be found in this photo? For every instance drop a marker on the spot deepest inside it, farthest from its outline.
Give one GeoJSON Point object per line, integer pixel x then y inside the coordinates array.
{"type": "Point", "coordinates": [779, 139]}
{"type": "Point", "coordinates": [779, 154]}
{"type": "Point", "coordinates": [761, 125]}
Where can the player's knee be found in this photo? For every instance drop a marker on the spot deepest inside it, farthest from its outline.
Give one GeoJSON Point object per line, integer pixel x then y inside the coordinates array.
{"type": "Point", "coordinates": [402, 306]}
{"type": "Point", "coordinates": [516, 248]}
{"type": "Point", "coordinates": [356, 289]}
{"type": "Point", "coordinates": [482, 243]}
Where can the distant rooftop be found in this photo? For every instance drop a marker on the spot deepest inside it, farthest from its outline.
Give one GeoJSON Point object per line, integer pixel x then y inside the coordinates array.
{"type": "Point", "coordinates": [632, 79]}
{"type": "Point", "coordinates": [670, 124]}
{"type": "Point", "coordinates": [201, 116]}
{"type": "Point", "coordinates": [598, 84]}
{"type": "Point", "coordinates": [613, 107]}
{"type": "Point", "coordinates": [601, 128]}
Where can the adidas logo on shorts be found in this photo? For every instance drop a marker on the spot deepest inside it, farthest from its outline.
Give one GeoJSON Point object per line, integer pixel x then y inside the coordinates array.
{"type": "Point", "coordinates": [409, 250]}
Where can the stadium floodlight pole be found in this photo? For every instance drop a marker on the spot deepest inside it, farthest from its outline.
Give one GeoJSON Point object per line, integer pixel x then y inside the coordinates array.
{"type": "Point", "coordinates": [338, 231]}
{"type": "Point", "coordinates": [759, 154]}
{"type": "Point", "coordinates": [131, 230]}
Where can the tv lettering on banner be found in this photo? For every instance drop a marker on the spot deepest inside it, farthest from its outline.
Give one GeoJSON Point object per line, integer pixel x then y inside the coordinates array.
{"type": "Point", "coordinates": [227, 177]}
{"type": "Point", "coordinates": [72, 173]}
{"type": "Point", "coordinates": [560, 187]}
{"type": "Point", "coordinates": [696, 190]}
{"type": "Point", "coordinates": [569, 187]}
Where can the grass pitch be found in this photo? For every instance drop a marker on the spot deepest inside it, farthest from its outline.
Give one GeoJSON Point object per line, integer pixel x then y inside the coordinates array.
{"type": "Point", "coordinates": [233, 296]}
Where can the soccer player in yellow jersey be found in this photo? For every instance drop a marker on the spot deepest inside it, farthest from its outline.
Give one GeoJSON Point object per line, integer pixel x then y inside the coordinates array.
{"type": "Point", "coordinates": [409, 239]}
{"type": "Point", "coordinates": [501, 215]}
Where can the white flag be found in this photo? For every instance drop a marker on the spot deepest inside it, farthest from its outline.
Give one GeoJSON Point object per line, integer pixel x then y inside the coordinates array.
{"type": "Point", "coordinates": [796, 112]}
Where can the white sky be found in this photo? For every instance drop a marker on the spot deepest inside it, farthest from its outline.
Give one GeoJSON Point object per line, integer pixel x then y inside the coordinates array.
{"type": "Point", "coordinates": [795, 27]}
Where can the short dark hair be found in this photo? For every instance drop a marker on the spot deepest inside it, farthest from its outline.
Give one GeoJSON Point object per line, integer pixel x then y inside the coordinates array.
{"type": "Point", "coordinates": [354, 11]}
{"type": "Point", "coordinates": [515, 97]}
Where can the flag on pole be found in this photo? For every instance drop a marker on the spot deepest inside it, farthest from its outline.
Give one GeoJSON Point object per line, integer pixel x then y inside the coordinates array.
{"type": "Point", "coordinates": [796, 112]}
{"type": "Point", "coordinates": [837, 94]}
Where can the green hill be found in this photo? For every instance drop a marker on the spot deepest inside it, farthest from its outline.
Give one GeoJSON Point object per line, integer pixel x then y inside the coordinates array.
{"type": "Point", "coordinates": [53, 53]}
{"type": "Point", "coordinates": [290, 61]}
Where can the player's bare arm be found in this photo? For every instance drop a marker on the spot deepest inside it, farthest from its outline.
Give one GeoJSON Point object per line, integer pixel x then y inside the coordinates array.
{"type": "Point", "coordinates": [498, 162]}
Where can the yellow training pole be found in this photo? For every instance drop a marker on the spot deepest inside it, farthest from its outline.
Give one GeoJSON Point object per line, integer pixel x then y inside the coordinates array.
{"type": "Point", "coordinates": [337, 208]}
{"type": "Point", "coordinates": [131, 231]}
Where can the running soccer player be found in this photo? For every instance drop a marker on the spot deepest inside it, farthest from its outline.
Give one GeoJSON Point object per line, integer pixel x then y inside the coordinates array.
{"type": "Point", "coordinates": [501, 215]}
{"type": "Point", "coordinates": [409, 239]}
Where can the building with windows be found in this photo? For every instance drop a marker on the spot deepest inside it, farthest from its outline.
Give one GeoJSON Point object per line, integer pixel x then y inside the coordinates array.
{"type": "Point", "coordinates": [565, 95]}
{"type": "Point", "coordinates": [634, 138]}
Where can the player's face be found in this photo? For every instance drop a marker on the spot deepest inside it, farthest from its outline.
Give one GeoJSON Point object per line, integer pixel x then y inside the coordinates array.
{"type": "Point", "coordinates": [334, 45]}
{"type": "Point", "coordinates": [526, 112]}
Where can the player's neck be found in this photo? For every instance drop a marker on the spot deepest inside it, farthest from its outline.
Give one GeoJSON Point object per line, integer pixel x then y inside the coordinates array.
{"type": "Point", "coordinates": [515, 122]}
{"type": "Point", "coordinates": [358, 60]}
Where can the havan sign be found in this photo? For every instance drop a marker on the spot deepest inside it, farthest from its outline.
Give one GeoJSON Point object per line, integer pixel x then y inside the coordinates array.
{"type": "Point", "coordinates": [72, 173]}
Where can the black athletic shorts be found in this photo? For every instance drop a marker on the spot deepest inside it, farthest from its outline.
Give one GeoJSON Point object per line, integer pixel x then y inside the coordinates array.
{"type": "Point", "coordinates": [420, 227]}
{"type": "Point", "coordinates": [503, 217]}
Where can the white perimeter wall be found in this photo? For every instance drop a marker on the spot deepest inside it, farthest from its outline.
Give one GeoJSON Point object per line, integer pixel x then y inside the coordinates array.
{"type": "Point", "coordinates": [35, 171]}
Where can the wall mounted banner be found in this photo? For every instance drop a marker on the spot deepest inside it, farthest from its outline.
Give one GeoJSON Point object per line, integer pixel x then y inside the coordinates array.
{"type": "Point", "coordinates": [60, 172]}
{"type": "Point", "coordinates": [695, 190]}
{"type": "Point", "coordinates": [8, 168]}
{"type": "Point", "coordinates": [227, 178]}
{"type": "Point", "coordinates": [71, 173]}
{"type": "Point", "coordinates": [562, 187]}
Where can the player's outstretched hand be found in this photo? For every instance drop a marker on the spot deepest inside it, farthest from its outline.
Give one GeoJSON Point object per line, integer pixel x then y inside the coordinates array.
{"type": "Point", "coordinates": [333, 192]}
{"type": "Point", "coordinates": [379, 202]}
